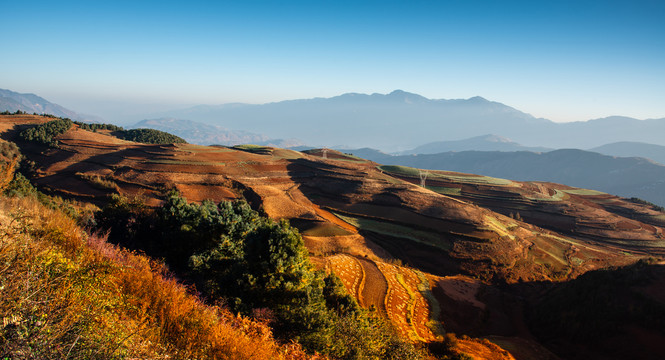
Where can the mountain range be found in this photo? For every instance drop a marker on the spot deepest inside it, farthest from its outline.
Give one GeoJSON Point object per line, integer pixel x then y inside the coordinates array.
{"type": "Point", "coordinates": [205, 134]}
{"type": "Point", "coordinates": [400, 120]}
{"type": "Point", "coordinates": [30, 103]}
{"type": "Point", "coordinates": [488, 142]}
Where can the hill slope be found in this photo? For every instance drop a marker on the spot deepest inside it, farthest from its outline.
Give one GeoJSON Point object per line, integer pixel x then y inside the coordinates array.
{"type": "Point", "coordinates": [478, 143]}
{"type": "Point", "coordinates": [31, 103]}
{"type": "Point", "coordinates": [629, 177]}
{"type": "Point", "coordinates": [633, 149]}
{"type": "Point", "coordinates": [361, 219]}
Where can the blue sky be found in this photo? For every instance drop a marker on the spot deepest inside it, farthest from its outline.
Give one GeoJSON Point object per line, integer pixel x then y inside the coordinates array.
{"type": "Point", "coordinates": [562, 60]}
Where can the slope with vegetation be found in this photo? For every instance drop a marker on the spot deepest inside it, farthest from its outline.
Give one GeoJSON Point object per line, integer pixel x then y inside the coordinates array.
{"type": "Point", "coordinates": [67, 293]}
{"type": "Point", "coordinates": [464, 259]}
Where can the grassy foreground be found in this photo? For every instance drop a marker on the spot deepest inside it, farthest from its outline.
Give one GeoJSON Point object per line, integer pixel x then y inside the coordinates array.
{"type": "Point", "coordinates": [68, 294]}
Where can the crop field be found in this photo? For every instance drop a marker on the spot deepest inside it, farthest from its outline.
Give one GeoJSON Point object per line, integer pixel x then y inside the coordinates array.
{"type": "Point", "coordinates": [444, 175]}
{"type": "Point", "coordinates": [202, 148]}
{"type": "Point", "coordinates": [584, 192]}
{"type": "Point", "coordinates": [408, 309]}
{"type": "Point", "coordinates": [325, 230]}
{"type": "Point", "coordinates": [349, 270]}
{"type": "Point", "coordinates": [401, 293]}
{"type": "Point", "coordinates": [445, 190]}
{"type": "Point", "coordinates": [183, 162]}
{"type": "Point", "coordinates": [558, 195]}
{"type": "Point", "coordinates": [395, 230]}
{"type": "Point", "coordinates": [499, 227]}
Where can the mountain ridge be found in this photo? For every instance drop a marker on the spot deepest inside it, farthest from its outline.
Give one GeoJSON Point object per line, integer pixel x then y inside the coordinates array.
{"type": "Point", "coordinates": [30, 103]}
{"type": "Point", "coordinates": [401, 120]}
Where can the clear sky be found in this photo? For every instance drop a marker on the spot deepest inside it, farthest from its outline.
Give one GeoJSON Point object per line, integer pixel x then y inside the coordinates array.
{"type": "Point", "coordinates": [562, 60]}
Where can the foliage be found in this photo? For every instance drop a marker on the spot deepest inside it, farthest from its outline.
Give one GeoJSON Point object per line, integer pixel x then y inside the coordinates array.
{"type": "Point", "coordinates": [94, 127]}
{"type": "Point", "coordinates": [231, 252]}
{"type": "Point", "coordinates": [66, 294]}
{"type": "Point", "coordinates": [149, 136]}
{"type": "Point", "coordinates": [649, 204]}
{"type": "Point", "coordinates": [46, 133]}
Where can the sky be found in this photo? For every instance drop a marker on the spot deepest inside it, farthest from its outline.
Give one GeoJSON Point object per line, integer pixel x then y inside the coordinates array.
{"type": "Point", "coordinates": [560, 60]}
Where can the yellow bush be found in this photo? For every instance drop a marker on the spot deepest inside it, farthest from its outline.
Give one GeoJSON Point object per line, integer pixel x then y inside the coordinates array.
{"type": "Point", "coordinates": [66, 294]}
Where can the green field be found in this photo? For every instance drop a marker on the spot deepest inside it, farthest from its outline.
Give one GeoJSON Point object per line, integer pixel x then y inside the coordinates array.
{"type": "Point", "coordinates": [325, 230]}
{"type": "Point", "coordinates": [395, 230]}
{"type": "Point", "coordinates": [438, 175]}
{"type": "Point", "coordinates": [445, 190]}
{"type": "Point", "coordinates": [584, 192]}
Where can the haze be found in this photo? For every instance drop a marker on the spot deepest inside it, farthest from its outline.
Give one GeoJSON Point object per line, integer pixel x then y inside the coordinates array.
{"type": "Point", "coordinates": [561, 60]}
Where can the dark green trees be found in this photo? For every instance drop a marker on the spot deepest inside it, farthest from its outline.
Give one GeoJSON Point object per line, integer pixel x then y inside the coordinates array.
{"type": "Point", "coordinates": [255, 265]}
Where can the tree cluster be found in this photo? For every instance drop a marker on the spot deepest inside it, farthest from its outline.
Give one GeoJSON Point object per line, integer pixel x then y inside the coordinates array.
{"type": "Point", "coordinates": [149, 136]}
{"type": "Point", "coordinates": [46, 133]}
{"type": "Point", "coordinates": [259, 267]}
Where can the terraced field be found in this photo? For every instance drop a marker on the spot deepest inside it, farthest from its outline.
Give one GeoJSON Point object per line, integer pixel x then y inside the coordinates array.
{"type": "Point", "coordinates": [398, 292]}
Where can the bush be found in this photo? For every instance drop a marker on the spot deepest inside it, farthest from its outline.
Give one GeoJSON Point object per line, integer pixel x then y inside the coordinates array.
{"type": "Point", "coordinates": [149, 136]}
{"type": "Point", "coordinates": [231, 252]}
{"type": "Point", "coordinates": [46, 133]}
{"type": "Point", "coordinates": [94, 127]}
{"type": "Point", "coordinates": [70, 295]}
{"type": "Point", "coordinates": [649, 204]}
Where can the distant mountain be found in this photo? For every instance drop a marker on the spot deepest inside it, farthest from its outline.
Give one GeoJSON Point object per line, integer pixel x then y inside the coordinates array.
{"type": "Point", "coordinates": [31, 103]}
{"type": "Point", "coordinates": [633, 149]}
{"type": "Point", "coordinates": [479, 143]}
{"type": "Point", "coordinates": [400, 120]}
{"type": "Point", "coordinates": [206, 134]}
{"type": "Point", "coordinates": [628, 177]}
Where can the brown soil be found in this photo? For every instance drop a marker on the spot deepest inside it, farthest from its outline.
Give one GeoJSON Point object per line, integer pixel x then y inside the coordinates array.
{"type": "Point", "coordinates": [374, 286]}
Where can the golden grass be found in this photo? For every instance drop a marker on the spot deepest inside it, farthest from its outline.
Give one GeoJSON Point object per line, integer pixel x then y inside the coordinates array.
{"type": "Point", "coordinates": [66, 294]}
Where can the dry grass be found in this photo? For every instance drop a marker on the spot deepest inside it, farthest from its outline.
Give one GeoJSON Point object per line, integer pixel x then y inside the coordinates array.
{"type": "Point", "coordinates": [69, 295]}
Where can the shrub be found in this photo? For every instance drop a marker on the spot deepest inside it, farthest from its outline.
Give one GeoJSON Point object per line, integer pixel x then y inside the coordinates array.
{"type": "Point", "coordinates": [66, 294]}
{"type": "Point", "coordinates": [231, 252]}
{"type": "Point", "coordinates": [46, 133]}
{"type": "Point", "coordinates": [149, 136]}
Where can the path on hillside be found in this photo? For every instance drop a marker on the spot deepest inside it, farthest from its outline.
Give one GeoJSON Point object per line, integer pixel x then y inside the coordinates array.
{"type": "Point", "coordinates": [375, 287]}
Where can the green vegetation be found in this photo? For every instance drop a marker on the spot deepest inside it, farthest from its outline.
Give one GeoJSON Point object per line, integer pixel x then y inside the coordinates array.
{"type": "Point", "coordinates": [255, 149]}
{"type": "Point", "coordinates": [396, 230]}
{"type": "Point", "coordinates": [583, 192]}
{"type": "Point", "coordinates": [438, 175]}
{"type": "Point", "coordinates": [259, 267]}
{"type": "Point", "coordinates": [649, 204]}
{"type": "Point", "coordinates": [67, 294]}
{"type": "Point", "coordinates": [149, 136]}
{"type": "Point", "coordinates": [445, 190]}
{"type": "Point", "coordinates": [99, 182]}
{"type": "Point", "coordinates": [94, 127]}
{"type": "Point", "coordinates": [46, 133]}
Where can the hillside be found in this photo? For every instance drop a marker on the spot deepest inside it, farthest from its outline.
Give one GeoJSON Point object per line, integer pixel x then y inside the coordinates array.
{"type": "Point", "coordinates": [628, 177]}
{"type": "Point", "coordinates": [470, 242]}
{"type": "Point", "coordinates": [30, 103]}
{"type": "Point", "coordinates": [633, 149]}
{"type": "Point", "coordinates": [478, 143]}
{"type": "Point", "coordinates": [67, 293]}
